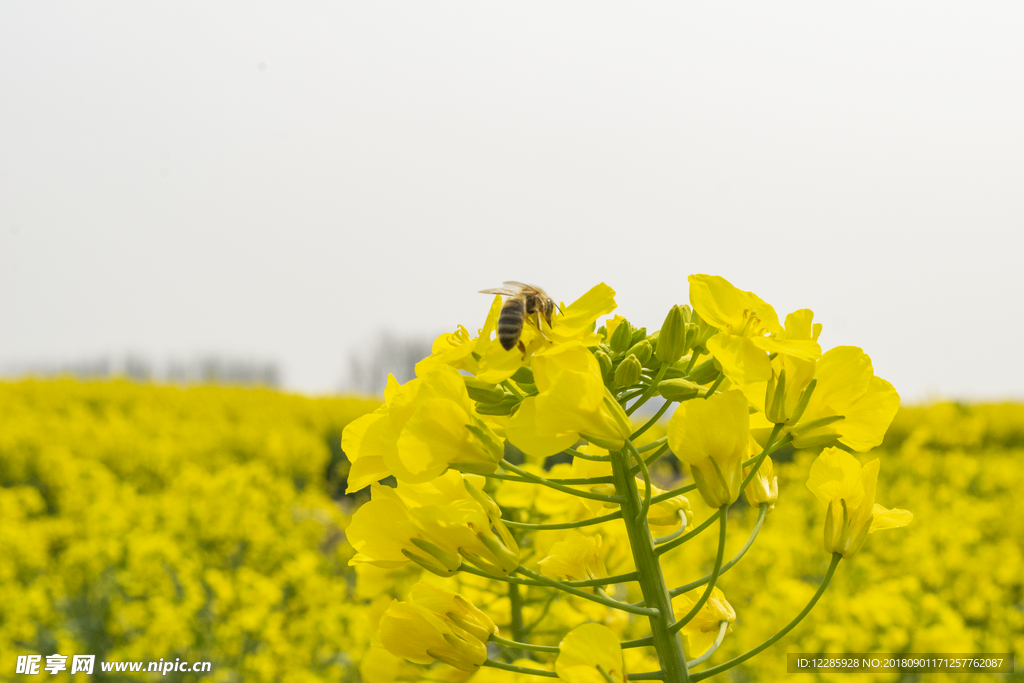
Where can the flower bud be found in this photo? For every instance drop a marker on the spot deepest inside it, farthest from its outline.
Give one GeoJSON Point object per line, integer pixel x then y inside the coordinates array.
{"type": "Point", "coordinates": [642, 350]}
{"type": "Point", "coordinates": [764, 487]}
{"type": "Point", "coordinates": [433, 559]}
{"type": "Point", "coordinates": [528, 389]}
{"type": "Point", "coordinates": [628, 372]}
{"type": "Point", "coordinates": [505, 406]}
{"type": "Point", "coordinates": [638, 335]}
{"type": "Point", "coordinates": [622, 337]}
{"type": "Point", "coordinates": [705, 372]}
{"type": "Point", "coordinates": [483, 392]}
{"type": "Point", "coordinates": [692, 330]}
{"type": "Point", "coordinates": [775, 398]}
{"type": "Point", "coordinates": [436, 624]}
{"type": "Point", "coordinates": [805, 397]}
{"type": "Point", "coordinates": [605, 362]}
{"type": "Point", "coordinates": [704, 333]}
{"type": "Point", "coordinates": [680, 389]}
{"type": "Point", "coordinates": [523, 375]}
{"type": "Point", "coordinates": [672, 338]}
{"type": "Point", "coordinates": [815, 432]}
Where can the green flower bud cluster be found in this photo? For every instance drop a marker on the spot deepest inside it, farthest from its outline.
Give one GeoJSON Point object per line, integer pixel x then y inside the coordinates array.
{"type": "Point", "coordinates": [625, 356]}
{"type": "Point", "coordinates": [496, 399]}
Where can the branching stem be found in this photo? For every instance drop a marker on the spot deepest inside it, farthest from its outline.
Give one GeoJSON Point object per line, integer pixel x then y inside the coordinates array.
{"type": "Point", "coordinates": [771, 641]}
{"type": "Point", "coordinates": [723, 517]}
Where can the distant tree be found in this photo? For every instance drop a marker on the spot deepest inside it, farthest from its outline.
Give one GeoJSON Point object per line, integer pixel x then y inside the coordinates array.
{"type": "Point", "coordinates": [204, 369]}
{"type": "Point", "coordinates": [388, 353]}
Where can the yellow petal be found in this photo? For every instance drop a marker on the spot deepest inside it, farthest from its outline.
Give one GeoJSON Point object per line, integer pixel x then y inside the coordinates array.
{"type": "Point", "coordinates": [717, 427]}
{"type": "Point", "coordinates": [741, 360]}
{"type": "Point", "coordinates": [799, 325]}
{"type": "Point", "coordinates": [364, 442]}
{"type": "Point", "coordinates": [579, 317]}
{"type": "Point", "coordinates": [797, 348]}
{"type": "Point", "coordinates": [884, 518]}
{"type": "Point", "coordinates": [724, 306]}
{"type": "Point", "coordinates": [435, 436]}
{"type": "Point", "coordinates": [869, 418]}
{"type": "Point", "coordinates": [844, 376]}
{"type": "Point", "coordinates": [380, 529]}
{"type": "Point", "coordinates": [584, 649]}
{"type": "Point", "coordinates": [835, 475]}
{"type": "Point", "coordinates": [523, 433]}
{"type": "Point", "coordinates": [576, 558]}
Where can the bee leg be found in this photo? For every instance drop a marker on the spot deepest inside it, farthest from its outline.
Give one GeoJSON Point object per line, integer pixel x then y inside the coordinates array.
{"type": "Point", "coordinates": [522, 348]}
{"type": "Point", "coordinates": [540, 327]}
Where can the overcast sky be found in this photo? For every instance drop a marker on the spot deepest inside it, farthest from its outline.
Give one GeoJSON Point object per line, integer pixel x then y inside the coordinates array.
{"type": "Point", "coordinates": [284, 181]}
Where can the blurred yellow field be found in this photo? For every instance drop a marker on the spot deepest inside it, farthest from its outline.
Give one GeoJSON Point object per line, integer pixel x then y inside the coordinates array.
{"type": "Point", "coordinates": [142, 522]}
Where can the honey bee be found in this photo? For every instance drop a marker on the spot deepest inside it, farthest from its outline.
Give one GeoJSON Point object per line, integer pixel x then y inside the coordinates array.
{"type": "Point", "coordinates": [525, 302]}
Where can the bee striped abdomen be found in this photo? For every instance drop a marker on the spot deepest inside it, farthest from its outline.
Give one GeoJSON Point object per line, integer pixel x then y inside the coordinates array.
{"type": "Point", "coordinates": [510, 322]}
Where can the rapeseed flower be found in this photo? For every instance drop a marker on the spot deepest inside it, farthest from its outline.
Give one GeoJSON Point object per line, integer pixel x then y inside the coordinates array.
{"type": "Point", "coordinates": [424, 427]}
{"type": "Point", "coordinates": [748, 330]}
{"type": "Point", "coordinates": [764, 487]}
{"type": "Point", "coordinates": [701, 631]}
{"type": "Point", "coordinates": [586, 652]}
{"type": "Point", "coordinates": [839, 481]}
{"type": "Point", "coordinates": [575, 558]}
{"type": "Point", "coordinates": [436, 525]}
{"type": "Point", "coordinates": [418, 634]}
{"type": "Point", "coordinates": [573, 403]}
{"type": "Point", "coordinates": [849, 403]}
{"type": "Point", "coordinates": [711, 436]}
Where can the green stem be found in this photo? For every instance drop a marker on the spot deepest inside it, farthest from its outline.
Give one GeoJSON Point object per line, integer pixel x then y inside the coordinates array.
{"type": "Point", "coordinates": [642, 464]}
{"type": "Point", "coordinates": [653, 444]}
{"type": "Point", "coordinates": [694, 355]}
{"type": "Point", "coordinates": [519, 669]}
{"type": "Point", "coordinates": [683, 539]}
{"type": "Point", "coordinates": [728, 565]}
{"type": "Point", "coordinates": [714, 573]}
{"type": "Point", "coordinates": [714, 387]}
{"type": "Point", "coordinates": [789, 627]}
{"type": "Point", "coordinates": [558, 487]}
{"type": "Point", "coordinates": [495, 638]}
{"type": "Point", "coordinates": [563, 525]}
{"type": "Point", "coordinates": [563, 586]}
{"type": "Point", "coordinates": [630, 395]}
{"type": "Point", "coordinates": [587, 456]}
{"type": "Point", "coordinates": [639, 642]}
{"type": "Point", "coordinates": [513, 388]}
{"type": "Point", "coordinates": [580, 481]}
{"type": "Point", "coordinates": [652, 582]}
{"type": "Point", "coordinates": [769, 447]}
{"type": "Point", "coordinates": [673, 493]}
{"type": "Point", "coordinates": [649, 460]}
{"type": "Point", "coordinates": [722, 628]}
{"type": "Point", "coordinates": [650, 423]}
{"type": "Point", "coordinates": [648, 676]}
{"type": "Point", "coordinates": [649, 391]}
{"type": "Point", "coordinates": [516, 607]}
{"type": "Point", "coordinates": [587, 583]}
{"type": "Point", "coordinates": [675, 534]}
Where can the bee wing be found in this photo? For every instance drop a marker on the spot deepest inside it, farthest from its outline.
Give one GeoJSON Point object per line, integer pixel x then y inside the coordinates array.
{"type": "Point", "coordinates": [523, 288]}
{"type": "Point", "coordinates": [499, 290]}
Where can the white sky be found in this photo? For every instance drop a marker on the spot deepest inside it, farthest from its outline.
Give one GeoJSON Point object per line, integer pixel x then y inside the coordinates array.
{"type": "Point", "coordinates": [284, 181]}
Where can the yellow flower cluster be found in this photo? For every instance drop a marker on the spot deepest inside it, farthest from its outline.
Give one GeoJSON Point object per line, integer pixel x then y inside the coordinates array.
{"type": "Point", "coordinates": [520, 472]}
{"type": "Point", "coordinates": [138, 522]}
{"type": "Point", "coordinates": [141, 522]}
{"type": "Point", "coordinates": [951, 582]}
